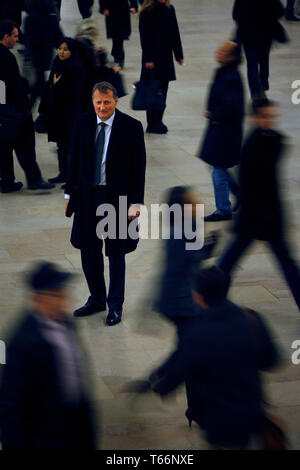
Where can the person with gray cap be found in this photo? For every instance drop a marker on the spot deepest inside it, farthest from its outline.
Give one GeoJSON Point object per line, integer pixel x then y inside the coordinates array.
{"type": "Point", "coordinates": [44, 399]}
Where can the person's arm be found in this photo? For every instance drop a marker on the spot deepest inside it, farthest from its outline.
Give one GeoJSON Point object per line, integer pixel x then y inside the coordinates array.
{"type": "Point", "coordinates": [72, 182]}
{"type": "Point", "coordinates": [104, 6]}
{"type": "Point", "coordinates": [133, 6]}
{"type": "Point", "coordinates": [138, 167]}
{"type": "Point", "coordinates": [176, 40]}
{"type": "Point", "coordinates": [146, 31]}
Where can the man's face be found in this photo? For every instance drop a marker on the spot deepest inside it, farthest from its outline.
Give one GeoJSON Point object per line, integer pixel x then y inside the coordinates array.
{"type": "Point", "coordinates": [104, 104]}
{"type": "Point", "coordinates": [54, 303]}
{"type": "Point", "coordinates": [10, 40]}
{"type": "Point", "coordinates": [267, 118]}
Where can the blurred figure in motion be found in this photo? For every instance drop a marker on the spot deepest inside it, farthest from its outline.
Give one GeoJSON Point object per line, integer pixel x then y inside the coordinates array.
{"type": "Point", "coordinates": [44, 403]}
{"type": "Point", "coordinates": [257, 27]}
{"type": "Point", "coordinates": [160, 39]}
{"type": "Point", "coordinates": [223, 139]}
{"type": "Point", "coordinates": [219, 355]}
{"type": "Point", "coordinates": [175, 293]}
{"type": "Point", "coordinates": [261, 215]}
{"type": "Point", "coordinates": [62, 101]}
{"type": "Point", "coordinates": [98, 65]}
{"type": "Point", "coordinates": [42, 35]}
{"type": "Point", "coordinates": [17, 96]}
{"type": "Point", "coordinates": [118, 27]}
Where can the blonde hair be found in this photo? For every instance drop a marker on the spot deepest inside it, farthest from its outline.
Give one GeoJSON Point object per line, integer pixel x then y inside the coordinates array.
{"type": "Point", "coordinates": [150, 3]}
{"type": "Point", "coordinates": [87, 29]}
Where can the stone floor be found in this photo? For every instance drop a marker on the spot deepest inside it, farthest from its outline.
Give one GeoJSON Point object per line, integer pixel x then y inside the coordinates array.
{"type": "Point", "coordinates": [33, 226]}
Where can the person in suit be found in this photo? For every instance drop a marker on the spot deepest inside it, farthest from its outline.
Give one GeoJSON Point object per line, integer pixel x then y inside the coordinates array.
{"type": "Point", "coordinates": [257, 27]}
{"type": "Point", "coordinates": [261, 215]}
{"type": "Point", "coordinates": [17, 97]}
{"type": "Point", "coordinates": [107, 160]}
{"type": "Point", "coordinates": [118, 27]}
{"type": "Point", "coordinates": [221, 147]}
{"type": "Point", "coordinates": [220, 356]}
{"type": "Point", "coordinates": [45, 401]}
{"type": "Point", "coordinates": [160, 38]}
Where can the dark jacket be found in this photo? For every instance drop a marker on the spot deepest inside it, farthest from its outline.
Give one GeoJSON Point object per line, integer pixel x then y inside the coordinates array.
{"type": "Point", "coordinates": [160, 38]}
{"type": "Point", "coordinates": [12, 10]}
{"type": "Point", "coordinates": [42, 32]}
{"type": "Point", "coordinates": [175, 290]}
{"type": "Point", "coordinates": [125, 175]}
{"type": "Point", "coordinates": [17, 88]}
{"type": "Point", "coordinates": [223, 138]}
{"type": "Point", "coordinates": [118, 22]}
{"type": "Point", "coordinates": [257, 20]}
{"type": "Point", "coordinates": [219, 357]}
{"type": "Point", "coordinates": [63, 100]}
{"type": "Point", "coordinates": [33, 414]}
{"type": "Point", "coordinates": [260, 215]}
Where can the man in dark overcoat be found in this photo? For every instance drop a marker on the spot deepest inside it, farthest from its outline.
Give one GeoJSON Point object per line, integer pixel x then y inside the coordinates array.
{"type": "Point", "coordinates": [223, 139]}
{"type": "Point", "coordinates": [17, 97]}
{"type": "Point", "coordinates": [118, 27]}
{"type": "Point", "coordinates": [257, 26]}
{"type": "Point", "coordinates": [45, 402]}
{"type": "Point", "coordinates": [100, 173]}
{"type": "Point", "coordinates": [260, 216]}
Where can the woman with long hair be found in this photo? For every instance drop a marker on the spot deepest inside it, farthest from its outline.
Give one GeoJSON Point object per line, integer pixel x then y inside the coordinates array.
{"type": "Point", "coordinates": [160, 39]}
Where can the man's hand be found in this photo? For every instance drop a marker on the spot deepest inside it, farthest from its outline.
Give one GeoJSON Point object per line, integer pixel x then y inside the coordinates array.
{"type": "Point", "coordinates": [106, 12]}
{"type": "Point", "coordinates": [134, 211]}
{"type": "Point", "coordinates": [132, 11]}
{"type": "Point", "coordinates": [149, 65]}
{"type": "Point", "coordinates": [66, 205]}
{"type": "Point", "coordinates": [207, 114]}
{"type": "Point", "coordinates": [117, 69]}
{"type": "Point", "coordinates": [180, 61]}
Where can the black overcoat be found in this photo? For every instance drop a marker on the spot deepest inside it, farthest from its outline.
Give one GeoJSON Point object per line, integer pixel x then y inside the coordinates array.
{"type": "Point", "coordinates": [219, 356]}
{"type": "Point", "coordinates": [42, 33]}
{"type": "Point", "coordinates": [17, 88]}
{"type": "Point", "coordinates": [260, 215]}
{"type": "Point", "coordinates": [12, 10]}
{"type": "Point", "coordinates": [118, 24]}
{"type": "Point", "coordinates": [63, 100]}
{"type": "Point", "coordinates": [223, 138]}
{"type": "Point", "coordinates": [257, 20]}
{"type": "Point", "coordinates": [33, 414]}
{"type": "Point", "coordinates": [160, 38]}
{"type": "Point", "coordinates": [125, 175]}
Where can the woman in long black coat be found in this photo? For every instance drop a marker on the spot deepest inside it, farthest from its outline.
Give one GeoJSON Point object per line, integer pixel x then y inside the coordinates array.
{"type": "Point", "coordinates": [221, 147]}
{"type": "Point", "coordinates": [118, 27]}
{"type": "Point", "coordinates": [160, 39]}
{"type": "Point", "coordinates": [42, 36]}
{"type": "Point", "coordinates": [62, 103]}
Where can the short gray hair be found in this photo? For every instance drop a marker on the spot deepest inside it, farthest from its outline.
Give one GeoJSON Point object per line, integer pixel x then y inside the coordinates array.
{"type": "Point", "coordinates": [86, 29]}
{"type": "Point", "coordinates": [104, 87]}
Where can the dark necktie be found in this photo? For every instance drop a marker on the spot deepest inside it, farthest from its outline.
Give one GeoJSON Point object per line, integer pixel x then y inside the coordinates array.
{"type": "Point", "coordinates": [99, 153]}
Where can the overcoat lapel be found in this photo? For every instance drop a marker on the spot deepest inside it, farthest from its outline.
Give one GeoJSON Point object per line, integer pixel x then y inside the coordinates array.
{"type": "Point", "coordinates": [114, 137]}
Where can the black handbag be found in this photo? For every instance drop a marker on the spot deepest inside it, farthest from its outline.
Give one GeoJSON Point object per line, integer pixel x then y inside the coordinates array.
{"type": "Point", "coordinates": [10, 123]}
{"type": "Point", "coordinates": [148, 95]}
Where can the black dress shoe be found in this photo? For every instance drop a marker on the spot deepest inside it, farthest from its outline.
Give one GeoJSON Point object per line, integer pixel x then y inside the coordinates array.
{"type": "Point", "coordinates": [41, 185]}
{"type": "Point", "coordinates": [89, 308]}
{"type": "Point", "coordinates": [113, 317]}
{"type": "Point", "coordinates": [216, 217]}
{"type": "Point", "coordinates": [157, 129]}
{"type": "Point", "coordinates": [57, 179]}
{"type": "Point", "coordinates": [9, 188]}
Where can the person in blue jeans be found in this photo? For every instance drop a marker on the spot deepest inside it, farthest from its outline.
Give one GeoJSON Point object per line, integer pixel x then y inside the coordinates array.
{"type": "Point", "coordinates": [221, 147]}
{"type": "Point", "coordinates": [261, 215]}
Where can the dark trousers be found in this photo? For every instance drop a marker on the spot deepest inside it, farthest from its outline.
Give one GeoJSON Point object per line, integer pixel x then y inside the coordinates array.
{"type": "Point", "coordinates": [38, 88]}
{"type": "Point", "coordinates": [257, 67]}
{"type": "Point", "coordinates": [62, 155]}
{"type": "Point", "coordinates": [84, 6]}
{"type": "Point", "coordinates": [289, 10]}
{"type": "Point", "coordinates": [154, 118]}
{"type": "Point", "coordinates": [280, 249]}
{"type": "Point", "coordinates": [93, 266]}
{"type": "Point", "coordinates": [24, 148]}
{"type": "Point", "coordinates": [117, 51]}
